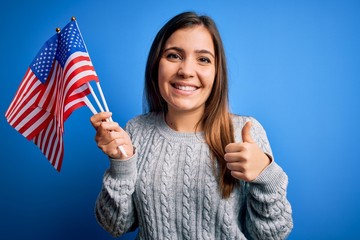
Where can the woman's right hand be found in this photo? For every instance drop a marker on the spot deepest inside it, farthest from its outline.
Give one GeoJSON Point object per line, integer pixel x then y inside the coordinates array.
{"type": "Point", "coordinates": [110, 136]}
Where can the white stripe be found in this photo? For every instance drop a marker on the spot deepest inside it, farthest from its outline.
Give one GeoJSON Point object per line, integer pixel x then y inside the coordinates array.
{"type": "Point", "coordinates": [76, 78]}
{"type": "Point", "coordinates": [54, 147]}
{"type": "Point", "coordinates": [38, 122]}
{"type": "Point", "coordinates": [39, 139]}
{"type": "Point", "coordinates": [50, 138]}
{"type": "Point", "coordinates": [21, 112]}
{"type": "Point", "coordinates": [60, 92]}
{"type": "Point", "coordinates": [26, 81]}
{"type": "Point", "coordinates": [76, 66]}
{"type": "Point", "coordinates": [25, 92]}
{"type": "Point", "coordinates": [72, 103]}
{"type": "Point", "coordinates": [49, 87]}
{"type": "Point", "coordinates": [27, 119]}
{"type": "Point", "coordinates": [77, 100]}
{"type": "Point", "coordinates": [25, 98]}
{"type": "Point", "coordinates": [60, 150]}
{"type": "Point", "coordinates": [80, 89]}
{"type": "Point", "coordinates": [75, 55]}
{"type": "Point", "coordinates": [46, 136]}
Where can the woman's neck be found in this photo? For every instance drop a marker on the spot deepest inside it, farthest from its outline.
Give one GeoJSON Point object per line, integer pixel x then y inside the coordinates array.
{"type": "Point", "coordinates": [184, 121]}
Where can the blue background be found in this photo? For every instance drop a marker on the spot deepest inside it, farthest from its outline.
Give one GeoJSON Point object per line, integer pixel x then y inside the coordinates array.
{"type": "Point", "coordinates": [293, 65]}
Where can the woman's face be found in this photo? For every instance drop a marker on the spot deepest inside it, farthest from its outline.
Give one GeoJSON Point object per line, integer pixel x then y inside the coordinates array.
{"type": "Point", "coordinates": [187, 69]}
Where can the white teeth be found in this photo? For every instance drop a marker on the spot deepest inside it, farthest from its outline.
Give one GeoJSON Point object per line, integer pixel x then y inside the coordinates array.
{"type": "Point", "coordinates": [185, 88]}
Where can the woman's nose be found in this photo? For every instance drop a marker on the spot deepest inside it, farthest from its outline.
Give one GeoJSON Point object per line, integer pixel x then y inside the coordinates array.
{"type": "Point", "coordinates": [186, 69]}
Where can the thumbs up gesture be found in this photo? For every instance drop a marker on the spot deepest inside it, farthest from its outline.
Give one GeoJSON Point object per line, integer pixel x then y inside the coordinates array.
{"type": "Point", "coordinates": [245, 160]}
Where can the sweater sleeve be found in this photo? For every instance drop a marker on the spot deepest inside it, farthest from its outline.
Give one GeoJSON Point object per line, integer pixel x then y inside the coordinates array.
{"type": "Point", "coordinates": [115, 209]}
{"type": "Point", "coordinates": [268, 213]}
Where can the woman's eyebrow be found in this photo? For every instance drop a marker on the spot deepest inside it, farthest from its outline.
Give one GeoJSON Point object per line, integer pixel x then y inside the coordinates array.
{"type": "Point", "coordinates": [174, 48]}
{"type": "Point", "coordinates": [197, 51]}
{"type": "Point", "coordinates": [205, 51]}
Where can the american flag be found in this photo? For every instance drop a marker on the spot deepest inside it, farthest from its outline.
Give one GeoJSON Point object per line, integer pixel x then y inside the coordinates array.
{"type": "Point", "coordinates": [53, 87]}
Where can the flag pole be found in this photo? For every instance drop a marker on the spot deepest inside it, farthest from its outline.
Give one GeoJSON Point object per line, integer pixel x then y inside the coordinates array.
{"type": "Point", "coordinates": [121, 148]}
{"type": "Point", "coordinates": [90, 106]}
{"type": "Point", "coordinates": [103, 98]}
{"type": "Point", "coordinates": [95, 97]}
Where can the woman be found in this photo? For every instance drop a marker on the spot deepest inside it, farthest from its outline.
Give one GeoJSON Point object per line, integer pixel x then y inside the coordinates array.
{"type": "Point", "coordinates": [192, 170]}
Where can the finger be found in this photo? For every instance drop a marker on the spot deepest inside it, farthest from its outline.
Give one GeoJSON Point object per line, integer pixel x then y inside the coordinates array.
{"type": "Point", "coordinates": [110, 126]}
{"type": "Point", "coordinates": [235, 157]}
{"type": "Point", "coordinates": [111, 149]}
{"type": "Point", "coordinates": [234, 147]}
{"type": "Point", "coordinates": [108, 132]}
{"type": "Point", "coordinates": [235, 166]}
{"type": "Point", "coordinates": [110, 140]}
{"type": "Point", "coordinates": [96, 119]}
{"type": "Point", "coordinates": [246, 134]}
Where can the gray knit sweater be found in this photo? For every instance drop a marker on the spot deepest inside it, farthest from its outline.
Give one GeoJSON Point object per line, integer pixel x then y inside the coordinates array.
{"type": "Point", "coordinates": [168, 189]}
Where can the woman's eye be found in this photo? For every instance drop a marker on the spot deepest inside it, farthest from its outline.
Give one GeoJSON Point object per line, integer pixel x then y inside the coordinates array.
{"type": "Point", "coordinates": [204, 60]}
{"type": "Point", "coordinates": [172, 56]}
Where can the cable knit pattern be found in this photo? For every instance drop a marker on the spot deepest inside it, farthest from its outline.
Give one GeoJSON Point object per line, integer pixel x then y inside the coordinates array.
{"type": "Point", "coordinates": [169, 191]}
{"type": "Point", "coordinates": [164, 197]}
{"type": "Point", "coordinates": [145, 181]}
{"type": "Point", "coordinates": [186, 194]}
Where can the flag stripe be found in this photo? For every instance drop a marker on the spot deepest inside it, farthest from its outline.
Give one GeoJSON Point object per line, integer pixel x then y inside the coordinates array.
{"type": "Point", "coordinates": [48, 97]}
{"type": "Point", "coordinates": [30, 89]}
{"type": "Point", "coordinates": [38, 125]}
{"type": "Point", "coordinates": [20, 92]}
{"type": "Point", "coordinates": [32, 122]}
{"type": "Point", "coordinates": [50, 92]}
{"type": "Point", "coordinates": [23, 113]}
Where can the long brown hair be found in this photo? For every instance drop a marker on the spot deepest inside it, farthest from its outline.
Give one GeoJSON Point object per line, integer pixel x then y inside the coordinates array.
{"type": "Point", "coordinates": [216, 119]}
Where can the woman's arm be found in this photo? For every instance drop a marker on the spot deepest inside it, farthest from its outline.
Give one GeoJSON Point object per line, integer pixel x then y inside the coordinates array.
{"type": "Point", "coordinates": [115, 210]}
{"type": "Point", "coordinates": [268, 211]}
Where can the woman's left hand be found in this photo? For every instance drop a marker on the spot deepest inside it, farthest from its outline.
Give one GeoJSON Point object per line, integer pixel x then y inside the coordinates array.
{"type": "Point", "coordinates": [245, 160]}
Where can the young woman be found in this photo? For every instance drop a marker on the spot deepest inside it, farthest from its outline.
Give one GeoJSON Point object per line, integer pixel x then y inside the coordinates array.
{"type": "Point", "coordinates": [193, 170]}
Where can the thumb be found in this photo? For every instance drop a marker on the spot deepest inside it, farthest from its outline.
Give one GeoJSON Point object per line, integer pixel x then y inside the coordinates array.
{"type": "Point", "coordinates": [245, 132]}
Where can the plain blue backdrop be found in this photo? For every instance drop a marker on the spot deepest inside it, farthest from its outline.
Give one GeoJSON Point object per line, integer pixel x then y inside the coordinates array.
{"type": "Point", "coordinates": [293, 65]}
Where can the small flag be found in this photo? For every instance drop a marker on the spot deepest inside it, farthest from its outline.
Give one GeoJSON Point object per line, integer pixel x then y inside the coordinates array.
{"type": "Point", "coordinates": [53, 87]}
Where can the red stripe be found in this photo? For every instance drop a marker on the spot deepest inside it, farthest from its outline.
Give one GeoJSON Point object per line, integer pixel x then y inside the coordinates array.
{"type": "Point", "coordinates": [80, 59]}
{"type": "Point", "coordinates": [39, 128]}
{"type": "Point", "coordinates": [21, 118]}
{"type": "Point", "coordinates": [50, 90]}
{"type": "Point", "coordinates": [20, 90]}
{"type": "Point", "coordinates": [42, 139]}
{"type": "Point", "coordinates": [56, 146]}
{"type": "Point", "coordinates": [79, 83]}
{"type": "Point", "coordinates": [58, 150]}
{"type": "Point", "coordinates": [31, 122]}
{"type": "Point", "coordinates": [50, 141]}
{"type": "Point", "coordinates": [23, 100]}
{"type": "Point", "coordinates": [72, 108]}
{"type": "Point", "coordinates": [77, 96]}
{"type": "Point", "coordinates": [48, 136]}
{"type": "Point", "coordinates": [75, 60]}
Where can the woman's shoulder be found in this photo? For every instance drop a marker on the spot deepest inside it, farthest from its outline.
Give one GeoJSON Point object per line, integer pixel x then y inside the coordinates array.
{"type": "Point", "coordinates": [239, 122]}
